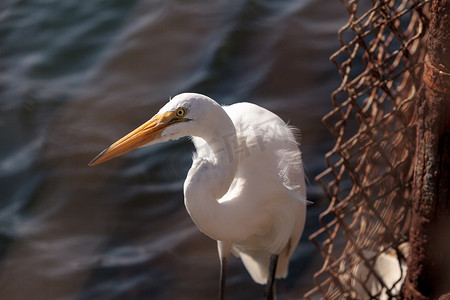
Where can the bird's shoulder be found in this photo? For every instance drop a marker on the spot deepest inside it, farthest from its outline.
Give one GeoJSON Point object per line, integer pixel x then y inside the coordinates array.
{"type": "Point", "coordinates": [250, 113]}
{"type": "Point", "coordinates": [265, 137]}
{"type": "Point", "coordinates": [253, 121]}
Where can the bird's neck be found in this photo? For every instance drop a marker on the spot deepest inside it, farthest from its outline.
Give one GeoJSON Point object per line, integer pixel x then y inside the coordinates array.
{"type": "Point", "coordinates": [210, 178]}
{"type": "Point", "coordinates": [220, 155]}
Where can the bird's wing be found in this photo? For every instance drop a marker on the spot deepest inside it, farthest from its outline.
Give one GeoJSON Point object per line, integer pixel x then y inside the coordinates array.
{"type": "Point", "coordinates": [266, 144]}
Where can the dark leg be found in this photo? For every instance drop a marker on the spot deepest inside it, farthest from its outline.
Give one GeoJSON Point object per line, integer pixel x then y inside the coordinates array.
{"type": "Point", "coordinates": [223, 268]}
{"type": "Point", "coordinates": [269, 290]}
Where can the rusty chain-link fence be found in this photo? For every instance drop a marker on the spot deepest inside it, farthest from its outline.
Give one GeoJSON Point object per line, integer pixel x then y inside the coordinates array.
{"type": "Point", "coordinates": [364, 232]}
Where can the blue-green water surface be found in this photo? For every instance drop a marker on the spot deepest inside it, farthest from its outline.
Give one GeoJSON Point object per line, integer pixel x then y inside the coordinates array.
{"type": "Point", "coordinates": [77, 75]}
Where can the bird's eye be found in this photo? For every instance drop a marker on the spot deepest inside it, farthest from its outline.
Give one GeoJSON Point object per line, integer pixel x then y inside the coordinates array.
{"type": "Point", "coordinates": [181, 112]}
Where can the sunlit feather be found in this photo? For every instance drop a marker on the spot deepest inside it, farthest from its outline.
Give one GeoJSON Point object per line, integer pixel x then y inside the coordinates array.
{"type": "Point", "coordinates": [246, 186]}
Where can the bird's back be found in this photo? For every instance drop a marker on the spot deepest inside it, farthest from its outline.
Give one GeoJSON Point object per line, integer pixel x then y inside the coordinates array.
{"type": "Point", "coordinates": [270, 183]}
{"type": "Point", "coordinates": [267, 145]}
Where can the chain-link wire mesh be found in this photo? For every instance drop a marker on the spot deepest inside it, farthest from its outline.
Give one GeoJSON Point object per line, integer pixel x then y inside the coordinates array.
{"type": "Point", "coordinates": [364, 232]}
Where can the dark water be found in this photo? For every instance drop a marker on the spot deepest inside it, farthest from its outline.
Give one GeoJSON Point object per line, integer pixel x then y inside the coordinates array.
{"type": "Point", "coordinates": [78, 75]}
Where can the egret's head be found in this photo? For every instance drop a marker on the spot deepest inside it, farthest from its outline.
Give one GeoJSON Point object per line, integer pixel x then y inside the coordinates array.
{"type": "Point", "coordinates": [183, 115]}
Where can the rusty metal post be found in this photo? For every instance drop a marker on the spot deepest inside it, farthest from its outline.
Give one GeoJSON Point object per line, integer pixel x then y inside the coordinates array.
{"type": "Point", "coordinates": [429, 258]}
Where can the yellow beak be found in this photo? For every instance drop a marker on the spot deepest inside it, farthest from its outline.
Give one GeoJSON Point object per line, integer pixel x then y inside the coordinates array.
{"type": "Point", "coordinates": [144, 134]}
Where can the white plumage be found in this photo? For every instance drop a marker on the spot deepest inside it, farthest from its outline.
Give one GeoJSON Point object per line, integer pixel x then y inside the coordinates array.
{"type": "Point", "coordinates": [246, 186]}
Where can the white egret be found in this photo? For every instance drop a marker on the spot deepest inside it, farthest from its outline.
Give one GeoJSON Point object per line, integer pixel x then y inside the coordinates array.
{"type": "Point", "coordinates": [246, 186]}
